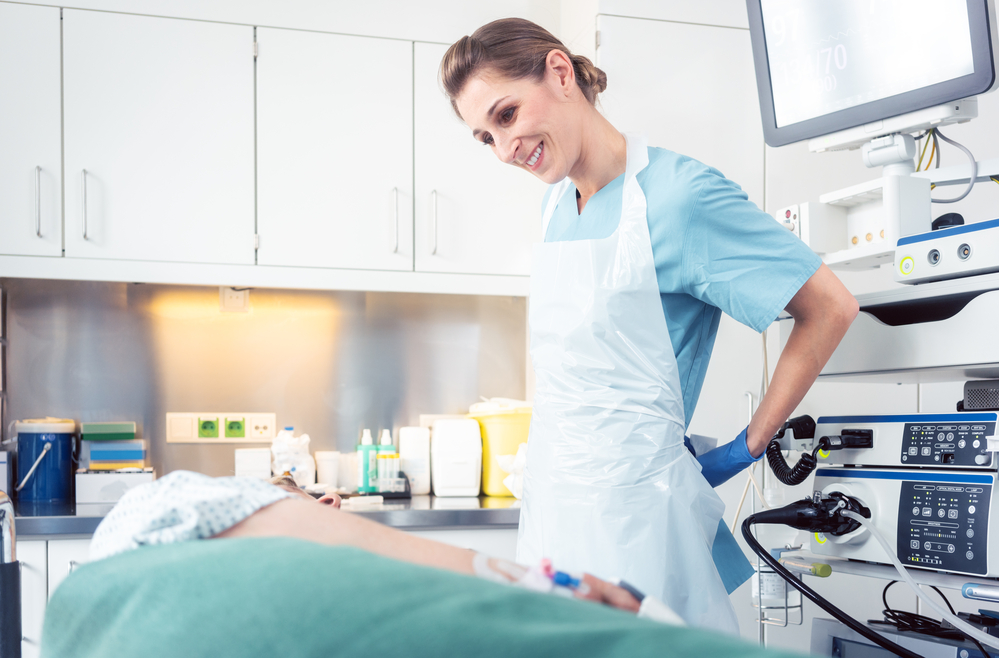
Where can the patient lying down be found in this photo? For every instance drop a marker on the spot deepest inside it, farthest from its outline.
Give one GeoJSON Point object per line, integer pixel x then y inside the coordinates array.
{"type": "Point", "coordinates": [186, 506]}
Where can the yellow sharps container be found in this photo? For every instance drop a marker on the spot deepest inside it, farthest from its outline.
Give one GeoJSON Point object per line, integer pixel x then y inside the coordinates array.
{"type": "Point", "coordinates": [504, 425]}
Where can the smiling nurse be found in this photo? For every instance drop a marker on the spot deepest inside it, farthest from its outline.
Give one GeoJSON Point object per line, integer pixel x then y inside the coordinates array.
{"type": "Point", "coordinates": [643, 250]}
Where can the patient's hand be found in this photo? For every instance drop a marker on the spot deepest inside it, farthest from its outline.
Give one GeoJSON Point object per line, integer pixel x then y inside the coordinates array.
{"type": "Point", "coordinates": [608, 594]}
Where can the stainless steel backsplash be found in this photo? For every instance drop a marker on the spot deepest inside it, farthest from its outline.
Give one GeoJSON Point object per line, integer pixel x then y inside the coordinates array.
{"type": "Point", "coordinates": [327, 363]}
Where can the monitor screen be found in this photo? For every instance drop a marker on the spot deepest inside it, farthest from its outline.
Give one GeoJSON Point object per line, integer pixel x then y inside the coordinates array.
{"type": "Point", "coordinates": [824, 66]}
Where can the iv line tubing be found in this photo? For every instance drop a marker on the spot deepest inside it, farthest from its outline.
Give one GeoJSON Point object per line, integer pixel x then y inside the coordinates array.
{"type": "Point", "coordinates": [959, 623]}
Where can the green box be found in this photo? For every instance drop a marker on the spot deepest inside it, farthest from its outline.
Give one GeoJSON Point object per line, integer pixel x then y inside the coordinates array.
{"type": "Point", "coordinates": [120, 431]}
{"type": "Point", "coordinates": [235, 428]}
{"type": "Point", "coordinates": [208, 428]}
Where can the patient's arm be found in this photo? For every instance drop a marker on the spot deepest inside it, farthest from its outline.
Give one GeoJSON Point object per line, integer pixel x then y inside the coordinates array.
{"type": "Point", "coordinates": [327, 525]}
{"type": "Point", "coordinates": [324, 524]}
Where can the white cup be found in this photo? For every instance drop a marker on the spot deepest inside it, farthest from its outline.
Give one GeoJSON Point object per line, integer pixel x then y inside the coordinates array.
{"type": "Point", "coordinates": [328, 467]}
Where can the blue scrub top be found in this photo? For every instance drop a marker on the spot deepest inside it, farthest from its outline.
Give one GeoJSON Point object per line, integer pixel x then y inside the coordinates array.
{"type": "Point", "coordinates": [714, 251]}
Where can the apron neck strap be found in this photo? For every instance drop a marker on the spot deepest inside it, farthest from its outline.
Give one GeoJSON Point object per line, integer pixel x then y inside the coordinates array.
{"type": "Point", "coordinates": [637, 160]}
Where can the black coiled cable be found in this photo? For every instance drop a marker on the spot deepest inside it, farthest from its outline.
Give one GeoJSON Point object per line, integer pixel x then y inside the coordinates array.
{"type": "Point", "coordinates": [793, 475]}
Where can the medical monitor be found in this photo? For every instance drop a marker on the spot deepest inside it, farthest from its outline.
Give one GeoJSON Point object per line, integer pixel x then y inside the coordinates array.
{"type": "Point", "coordinates": [824, 66]}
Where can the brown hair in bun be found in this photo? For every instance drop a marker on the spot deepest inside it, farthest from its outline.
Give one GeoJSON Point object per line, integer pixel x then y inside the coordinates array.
{"type": "Point", "coordinates": [516, 48]}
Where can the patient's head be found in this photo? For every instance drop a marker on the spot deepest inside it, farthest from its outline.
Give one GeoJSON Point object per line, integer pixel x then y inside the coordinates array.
{"type": "Point", "coordinates": [287, 483]}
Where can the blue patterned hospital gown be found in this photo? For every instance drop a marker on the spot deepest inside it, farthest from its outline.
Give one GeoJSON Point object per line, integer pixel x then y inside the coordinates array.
{"type": "Point", "coordinates": [180, 506]}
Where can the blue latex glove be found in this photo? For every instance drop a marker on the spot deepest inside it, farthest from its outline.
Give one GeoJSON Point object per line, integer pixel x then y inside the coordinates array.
{"type": "Point", "coordinates": [721, 464]}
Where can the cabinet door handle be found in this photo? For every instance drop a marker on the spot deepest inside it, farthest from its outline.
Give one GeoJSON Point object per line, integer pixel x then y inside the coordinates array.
{"type": "Point", "coordinates": [395, 195]}
{"type": "Point", "coordinates": [434, 194]}
{"type": "Point", "coordinates": [85, 236]}
{"type": "Point", "coordinates": [73, 564]}
{"type": "Point", "coordinates": [38, 201]}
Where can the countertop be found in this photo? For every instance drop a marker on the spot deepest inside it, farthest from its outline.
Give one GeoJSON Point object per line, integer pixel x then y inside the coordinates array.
{"type": "Point", "coordinates": [420, 512]}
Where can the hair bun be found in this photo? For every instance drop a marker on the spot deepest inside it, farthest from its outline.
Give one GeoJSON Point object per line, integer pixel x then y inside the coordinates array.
{"type": "Point", "coordinates": [517, 49]}
{"type": "Point", "coordinates": [593, 79]}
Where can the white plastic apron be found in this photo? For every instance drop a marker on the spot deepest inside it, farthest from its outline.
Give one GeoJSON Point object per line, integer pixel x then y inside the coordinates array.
{"type": "Point", "coordinates": [609, 487]}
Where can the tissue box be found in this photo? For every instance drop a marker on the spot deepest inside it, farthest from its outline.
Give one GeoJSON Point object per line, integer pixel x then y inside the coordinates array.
{"type": "Point", "coordinates": [253, 463]}
{"type": "Point", "coordinates": [97, 492]}
{"type": "Point", "coordinates": [112, 455]}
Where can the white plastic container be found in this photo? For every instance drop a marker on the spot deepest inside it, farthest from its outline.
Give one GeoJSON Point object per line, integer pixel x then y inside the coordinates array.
{"type": "Point", "coordinates": [456, 457]}
{"type": "Point", "coordinates": [328, 467]}
{"type": "Point", "coordinates": [414, 456]}
{"type": "Point", "coordinates": [348, 471]}
{"type": "Point", "coordinates": [290, 454]}
{"type": "Point", "coordinates": [253, 463]}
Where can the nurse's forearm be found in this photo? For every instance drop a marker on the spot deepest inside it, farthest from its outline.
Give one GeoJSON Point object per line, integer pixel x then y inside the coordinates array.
{"type": "Point", "coordinates": [823, 310]}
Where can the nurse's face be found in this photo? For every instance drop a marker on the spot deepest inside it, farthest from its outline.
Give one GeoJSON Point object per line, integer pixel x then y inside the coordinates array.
{"type": "Point", "coordinates": [527, 124]}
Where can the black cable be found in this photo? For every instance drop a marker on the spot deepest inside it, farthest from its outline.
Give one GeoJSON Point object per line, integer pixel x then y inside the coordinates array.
{"type": "Point", "coordinates": [916, 623]}
{"type": "Point", "coordinates": [814, 596]}
{"type": "Point", "coordinates": [797, 474]}
{"type": "Point", "coordinates": [949, 606]}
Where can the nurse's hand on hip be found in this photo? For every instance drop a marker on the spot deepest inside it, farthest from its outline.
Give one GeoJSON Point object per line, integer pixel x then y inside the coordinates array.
{"type": "Point", "coordinates": [823, 310]}
{"type": "Point", "coordinates": [538, 115]}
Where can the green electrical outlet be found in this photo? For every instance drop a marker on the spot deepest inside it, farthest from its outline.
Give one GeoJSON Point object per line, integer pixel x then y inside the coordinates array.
{"type": "Point", "coordinates": [235, 428]}
{"type": "Point", "coordinates": [208, 428]}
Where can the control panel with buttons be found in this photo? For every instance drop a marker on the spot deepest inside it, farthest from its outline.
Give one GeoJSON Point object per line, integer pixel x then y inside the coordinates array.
{"type": "Point", "coordinates": [948, 444]}
{"type": "Point", "coordinates": [937, 519]}
{"type": "Point", "coordinates": [948, 526]}
{"type": "Point", "coordinates": [948, 441]}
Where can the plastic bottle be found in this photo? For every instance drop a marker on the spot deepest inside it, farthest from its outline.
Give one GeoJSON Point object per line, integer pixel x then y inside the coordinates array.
{"type": "Point", "coordinates": [385, 442]}
{"type": "Point", "coordinates": [367, 466]}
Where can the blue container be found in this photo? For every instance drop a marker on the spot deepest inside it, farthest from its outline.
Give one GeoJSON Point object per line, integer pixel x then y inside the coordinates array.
{"type": "Point", "coordinates": [51, 483]}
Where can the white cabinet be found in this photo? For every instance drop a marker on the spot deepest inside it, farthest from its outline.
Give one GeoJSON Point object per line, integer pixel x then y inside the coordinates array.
{"type": "Point", "coordinates": [159, 114]}
{"type": "Point", "coordinates": [65, 555]}
{"type": "Point", "coordinates": [174, 155]}
{"type": "Point", "coordinates": [656, 73]}
{"type": "Point", "coordinates": [334, 151]}
{"type": "Point", "coordinates": [34, 594]}
{"type": "Point", "coordinates": [30, 139]}
{"type": "Point", "coordinates": [474, 214]}
{"type": "Point", "coordinates": [44, 564]}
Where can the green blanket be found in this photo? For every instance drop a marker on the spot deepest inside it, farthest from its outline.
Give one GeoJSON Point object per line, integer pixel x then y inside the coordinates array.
{"type": "Point", "coordinates": [284, 597]}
